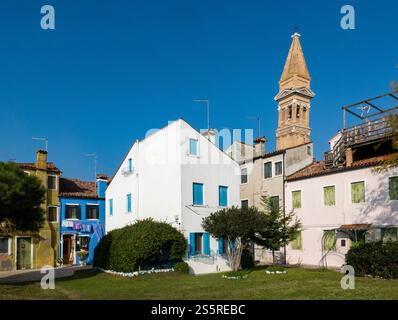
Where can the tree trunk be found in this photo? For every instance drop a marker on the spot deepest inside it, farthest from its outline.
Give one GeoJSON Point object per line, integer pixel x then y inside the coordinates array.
{"type": "Point", "coordinates": [234, 254]}
{"type": "Point", "coordinates": [273, 257]}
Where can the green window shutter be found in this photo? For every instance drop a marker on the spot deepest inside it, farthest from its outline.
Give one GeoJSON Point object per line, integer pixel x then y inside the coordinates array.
{"type": "Point", "coordinates": [329, 195]}
{"type": "Point", "coordinates": [393, 188]}
{"type": "Point", "coordinates": [297, 242]}
{"type": "Point", "coordinates": [296, 197]}
{"type": "Point", "coordinates": [389, 234]}
{"type": "Point", "coordinates": [358, 192]}
{"type": "Point", "coordinates": [329, 240]}
{"type": "Point", "coordinates": [274, 203]}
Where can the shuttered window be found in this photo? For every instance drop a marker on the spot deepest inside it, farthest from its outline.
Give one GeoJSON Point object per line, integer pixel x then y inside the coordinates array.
{"type": "Point", "coordinates": [329, 196]}
{"type": "Point", "coordinates": [358, 192]}
{"type": "Point", "coordinates": [267, 170]}
{"type": "Point", "coordinates": [329, 240]}
{"type": "Point", "coordinates": [393, 188]}
{"type": "Point", "coordinates": [129, 206]}
{"type": "Point", "coordinates": [296, 199]}
{"type": "Point", "coordinates": [274, 203]}
{"type": "Point", "coordinates": [223, 196]}
{"type": "Point", "coordinates": [297, 242]}
{"type": "Point", "coordinates": [198, 194]}
{"type": "Point", "coordinates": [72, 212]}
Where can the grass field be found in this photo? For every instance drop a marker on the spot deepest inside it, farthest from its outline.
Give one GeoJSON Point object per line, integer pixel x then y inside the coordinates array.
{"type": "Point", "coordinates": [296, 284]}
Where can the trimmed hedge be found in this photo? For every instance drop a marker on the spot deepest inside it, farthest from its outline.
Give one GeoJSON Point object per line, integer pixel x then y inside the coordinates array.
{"type": "Point", "coordinates": [144, 244]}
{"type": "Point", "coordinates": [377, 259]}
{"type": "Point", "coordinates": [181, 267]}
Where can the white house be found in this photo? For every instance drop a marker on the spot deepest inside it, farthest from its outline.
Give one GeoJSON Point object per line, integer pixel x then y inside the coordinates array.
{"type": "Point", "coordinates": [339, 205]}
{"type": "Point", "coordinates": [179, 176]}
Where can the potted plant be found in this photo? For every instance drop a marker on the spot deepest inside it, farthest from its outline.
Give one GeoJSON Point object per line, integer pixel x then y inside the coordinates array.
{"type": "Point", "coordinates": [83, 255]}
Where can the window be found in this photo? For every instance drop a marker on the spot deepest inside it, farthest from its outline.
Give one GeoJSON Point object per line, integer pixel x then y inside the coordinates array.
{"type": "Point", "coordinates": [243, 176]}
{"type": "Point", "coordinates": [267, 170]}
{"type": "Point", "coordinates": [309, 152]}
{"type": "Point", "coordinates": [111, 207]}
{"type": "Point", "coordinates": [130, 165]}
{"type": "Point", "coordinates": [193, 147]}
{"type": "Point", "coordinates": [198, 243]}
{"type": "Point", "coordinates": [72, 211]}
{"type": "Point", "coordinates": [274, 202]}
{"type": "Point", "coordinates": [52, 214]}
{"type": "Point", "coordinates": [388, 234]}
{"type": "Point", "coordinates": [244, 204]}
{"type": "Point", "coordinates": [52, 182]}
{"type": "Point", "coordinates": [4, 246]}
{"type": "Point", "coordinates": [129, 202]}
{"type": "Point", "coordinates": [358, 192]}
{"type": "Point", "coordinates": [393, 188]}
{"type": "Point", "coordinates": [222, 246]}
{"type": "Point", "coordinates": [289, 114]}
{"type": "Point", "coordinates": [296, 199]}
{"type": "Point", "coordinates": [343, 243]}
{"type": "Point", "coordinates": [298, 112]}
{"type": "Point", "coordinates": [297, 243]}
{"type": "Point", "coordinates": [82, 243]}
{"type": "Point", "coordinates": [223, 196]}
{"type": "Point", "coordinates": [92, 211]}
{"type": "Point", "coordinates": [198, 194]}
{"type": "Point", "coordinates": [329, 196]}
{"type": "Point", "coordinates": [278, 168]}
{"type": "Point", "coordinates": [329, 240]}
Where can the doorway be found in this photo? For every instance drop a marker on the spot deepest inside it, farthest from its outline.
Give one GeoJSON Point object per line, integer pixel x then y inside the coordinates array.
{"type": "Point", "coordinates": [68, 249]}
{"type": "Point", "coordinates": [24, 253]}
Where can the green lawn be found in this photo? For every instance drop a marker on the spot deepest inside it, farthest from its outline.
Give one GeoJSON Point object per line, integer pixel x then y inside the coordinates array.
{"type": "Point", "coordinates": [296, 284]}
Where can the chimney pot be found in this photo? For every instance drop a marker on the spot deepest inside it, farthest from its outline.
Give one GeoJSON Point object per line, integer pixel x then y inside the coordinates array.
{"type": "Point", "coordinates": [41, 159]}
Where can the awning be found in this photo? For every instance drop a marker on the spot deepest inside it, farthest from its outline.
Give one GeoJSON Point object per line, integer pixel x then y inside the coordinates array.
{"type": "Point", "coordinates": [359, 226]}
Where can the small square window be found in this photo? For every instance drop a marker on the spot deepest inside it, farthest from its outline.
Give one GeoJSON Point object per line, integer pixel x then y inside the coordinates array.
{"type": "Point", "coordinates": [244, 204]}
{"type": "Point", "coordinates": [343, 243]}
{"type": "Point", "coordinates": [72, 212]}
{"type": "Point", "coordinates": [92, 212]}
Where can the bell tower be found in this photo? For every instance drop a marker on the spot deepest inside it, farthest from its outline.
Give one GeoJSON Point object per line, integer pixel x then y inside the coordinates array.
{"type": "Point", "coordinates": [294, 99]}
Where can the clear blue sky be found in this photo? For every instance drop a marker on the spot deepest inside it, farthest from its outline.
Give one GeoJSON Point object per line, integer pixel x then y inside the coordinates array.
{"type": "Point", "coordinates": [114, 69]}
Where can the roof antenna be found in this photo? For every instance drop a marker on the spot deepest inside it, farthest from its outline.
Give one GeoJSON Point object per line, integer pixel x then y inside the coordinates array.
{"type": "Point", "coordinates": [94, 156]}
{"type": "Point", "coordinates": [42, 139]}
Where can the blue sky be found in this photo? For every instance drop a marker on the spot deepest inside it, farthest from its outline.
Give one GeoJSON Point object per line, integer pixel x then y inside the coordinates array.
{"type": "Point", "coordinates": [114, 69]}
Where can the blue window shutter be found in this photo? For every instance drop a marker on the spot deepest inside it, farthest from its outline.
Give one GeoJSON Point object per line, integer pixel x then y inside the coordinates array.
{"type": "Point", "coordinates": [198, 193]}
{"type": "Point", "coordinates": [129, 202]}
{"type": "Point", "coordinates": [191, 243]}
{"type": "Point", "coordinates": [206, 244]}
{"type": "Point", "coordinates": [110, 207]}
{"type": "Point", "coordinates": [193, 147]}
{"type": "Point", "coordinates": [223, 196]}
{"type": "Point", "coordinates": [220, 246]}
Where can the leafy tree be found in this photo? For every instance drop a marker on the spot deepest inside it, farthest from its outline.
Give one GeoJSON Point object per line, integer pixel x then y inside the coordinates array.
{"type": "Point", "coordinates": [237, 226]}
{"type": "Point", "coordinates": [279, 228]}
{"type": "Point", "coordinates": [20, 199]}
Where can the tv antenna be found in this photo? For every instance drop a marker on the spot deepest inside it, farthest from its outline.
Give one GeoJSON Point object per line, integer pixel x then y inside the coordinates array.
{"type": "Point", "coordinates": [42, 139]}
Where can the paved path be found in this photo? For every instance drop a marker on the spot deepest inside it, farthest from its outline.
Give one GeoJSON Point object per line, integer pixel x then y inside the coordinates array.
{"type": "Point", "coordinates": [21, 276]}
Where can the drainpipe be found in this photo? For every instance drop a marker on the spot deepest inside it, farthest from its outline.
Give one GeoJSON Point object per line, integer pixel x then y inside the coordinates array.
{"type": "Point", "coordinates": [283, 201]}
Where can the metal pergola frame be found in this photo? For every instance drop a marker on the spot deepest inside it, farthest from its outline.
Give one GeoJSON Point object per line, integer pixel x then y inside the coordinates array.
{"type": "Point", "coordinates": [373, 104]}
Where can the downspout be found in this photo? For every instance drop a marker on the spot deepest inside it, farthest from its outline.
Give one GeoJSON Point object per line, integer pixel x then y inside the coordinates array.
{"type": "Point", "coordinates": [283, 201]}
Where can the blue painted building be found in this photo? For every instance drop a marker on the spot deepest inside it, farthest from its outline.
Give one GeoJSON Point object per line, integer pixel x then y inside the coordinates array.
{"type": "Point", "coordinates": [82, 217]}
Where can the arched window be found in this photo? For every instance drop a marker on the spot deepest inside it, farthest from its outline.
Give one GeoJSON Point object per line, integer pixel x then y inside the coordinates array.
{"type": "Point", "coordinates": [298, 111]}
{"type": "Point", "coordinates": [289, 115]}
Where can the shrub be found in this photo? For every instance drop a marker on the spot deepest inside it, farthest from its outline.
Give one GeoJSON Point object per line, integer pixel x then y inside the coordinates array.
{"type": "Point", "coordinates": [275, 268]}
{"type": "Point", "coordinates": [145, 243]}
{"type": "Point", "coordinates": [242, 274]}
{"type": "Point", "coordinates": [377, 259]}
{"type": "Point", "coordinates": [181, 267]}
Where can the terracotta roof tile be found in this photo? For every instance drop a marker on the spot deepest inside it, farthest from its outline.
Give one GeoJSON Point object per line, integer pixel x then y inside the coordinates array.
{"type": "Point", "coordinates": [32, 166]}
{"type": "Point", "coordinates": [318, 168]}
{"type": "Point", "coordinates": [76, 188]}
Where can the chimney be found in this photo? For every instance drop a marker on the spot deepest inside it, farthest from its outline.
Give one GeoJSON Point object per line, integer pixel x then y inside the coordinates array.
{"type": "Point", "coordinates": [259, 146]}
{"type": "Point", "coordinates": [210, 135]}
{"type": "Point", "coordinates": [102, 184]}
{"type": "Point", "coordinates": [41, 159]}
{"type": "Point", "coordinates": [349, 158]}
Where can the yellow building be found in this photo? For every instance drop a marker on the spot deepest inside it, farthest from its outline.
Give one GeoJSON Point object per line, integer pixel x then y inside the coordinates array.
{"type": "Point", "coordinates": [32, 250]}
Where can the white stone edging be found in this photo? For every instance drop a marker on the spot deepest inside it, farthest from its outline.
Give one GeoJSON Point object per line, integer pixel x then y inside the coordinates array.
{"type": "Point", "coordinates": [275, 272]}
{"type": "Point", "coordinates": [136, 273]}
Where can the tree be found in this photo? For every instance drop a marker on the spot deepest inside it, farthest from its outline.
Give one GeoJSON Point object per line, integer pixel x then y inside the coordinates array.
{"type": "Point", "coordinates": [279, 228]}
{"type": "Point", "coordinates": [20, 198]}
{"type": "Point", "coordinates": [237, 227]}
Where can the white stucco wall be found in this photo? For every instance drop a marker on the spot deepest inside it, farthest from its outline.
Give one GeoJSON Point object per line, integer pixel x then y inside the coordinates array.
{"type": "Point", "coordinates": [315, 217]}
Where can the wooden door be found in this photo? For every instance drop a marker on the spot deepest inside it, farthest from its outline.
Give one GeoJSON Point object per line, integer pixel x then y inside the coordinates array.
{"type": "Point", "coordinates": [24, 253]}
{"type": "Point", "coordinates": [67, 250]}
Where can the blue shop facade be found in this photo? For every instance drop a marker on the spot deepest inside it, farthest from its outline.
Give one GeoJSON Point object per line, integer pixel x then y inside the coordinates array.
{"type": "Point", "coordinates": [82, 218]}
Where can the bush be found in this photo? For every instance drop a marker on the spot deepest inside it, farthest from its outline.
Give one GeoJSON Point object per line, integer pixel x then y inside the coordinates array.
{"type": "Point", "coordinates": [247, 260]}
{"type": "Point", "coordinates": [275, 268]}
{"type": "Point", "coordinates": [181, 267]}
{"type": "Point", "coordinates": [143, 244]}
{"type": "Point", "coordinates": [377, 259]}
{"type": "Point", "coordinates": [242, 274]}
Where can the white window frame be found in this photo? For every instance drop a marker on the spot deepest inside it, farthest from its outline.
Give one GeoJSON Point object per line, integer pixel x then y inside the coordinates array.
{"type": "Point", "coordinates": [57, 209]}
{"type": "Point", "coordinates": [247, 176]}
{"type": "Point", "coordinates": [323, 195]}
{"type": "Point", "coordinates": [8, 246]}
{"type": "Point", "coordinates": [350, 196]}
{"type": "Point", "coordinates": [301, 198]}
{"type": "Point", "coordinates": [72, 204]}
{"type": "Point", "coordinates": [92, 204]}
{"type": "Point", "coordinates": [274, 168]}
